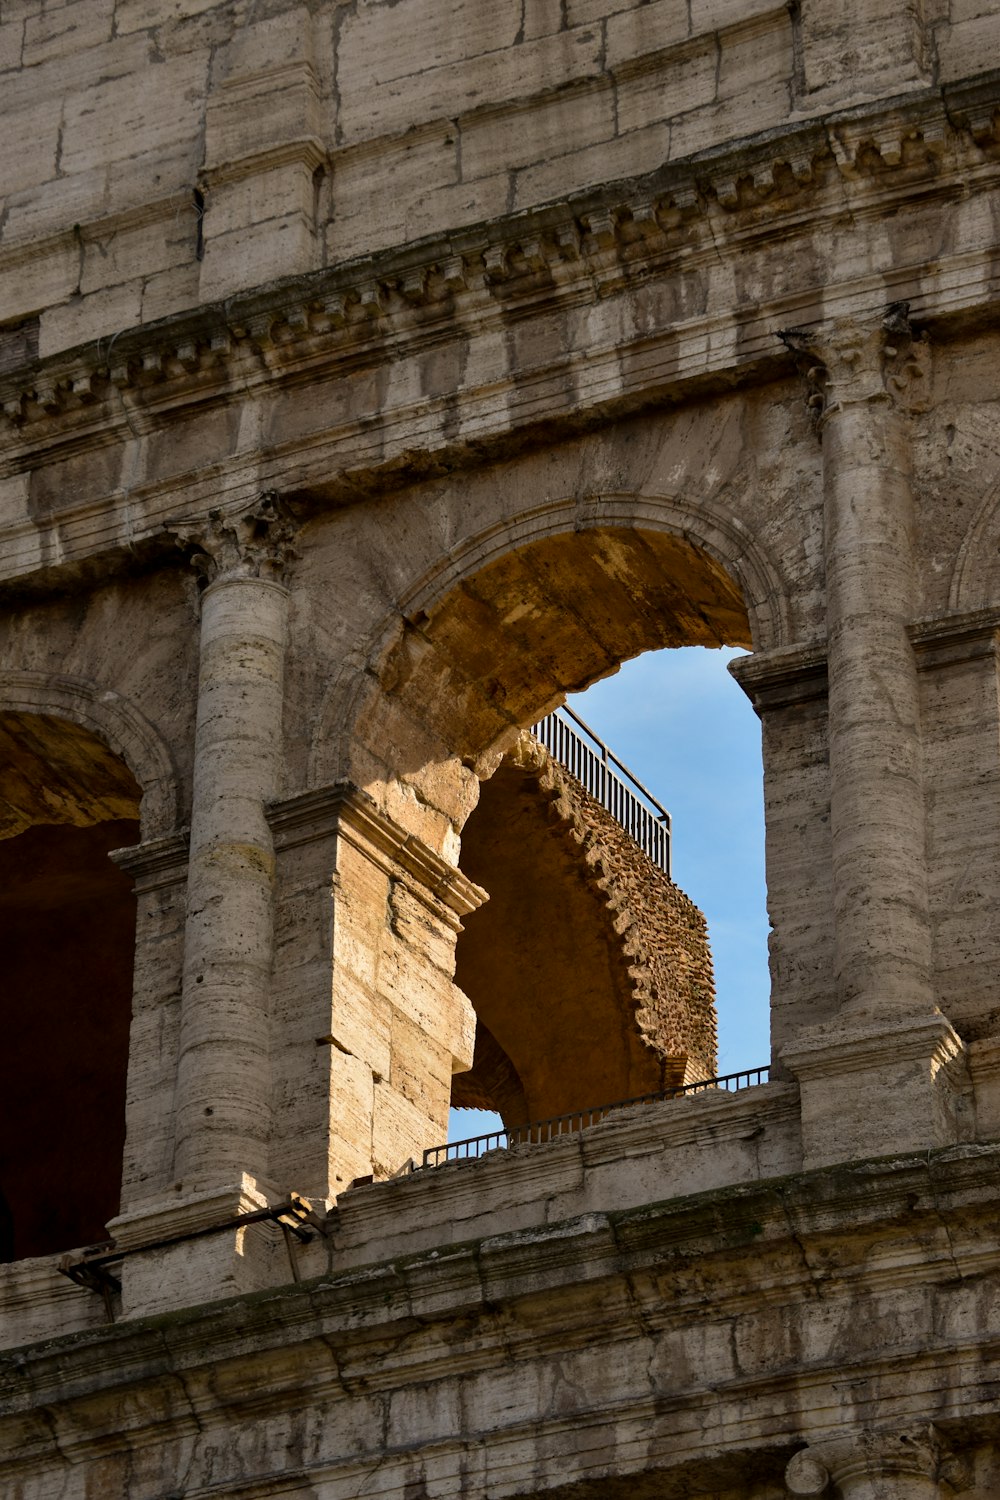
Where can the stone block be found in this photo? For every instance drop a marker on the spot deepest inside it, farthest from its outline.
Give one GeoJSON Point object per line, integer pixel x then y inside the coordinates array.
{"type": "Point", "coordinates": [36, 1301]}
{"type": "Point", "coordinates": [286, 98]}
{"type": "Point", "coordinates": [229, 1264]}
{"type": "Point", "coordinates": [641, 30]}
{"type": "Point", "coordinates": [531, 70]}
{"type": "Point", "coordinates": [716, 15]}
{"type": "Point", "coordinates": [964, 44]}
{"type": "Point", "coordinates": [420, 1068]}
{"type": "Point", "coordinates": [28, 147]}
{"type": "Point", "coordinates": [541, 130]}
{"type": "Point", "coordinates": [141, 15]}
{"type": "Point", "coordinates": [84, 318]}
{"type": "Point", "coordinates": [76, 72]}
{"type": "Point", "coordinates": [756, 58]}
{"type": "Point", "coordinates": [632, 154]}
{"type": "Point", "coordinates": [11, 36]}
{"type": "Point", "coordinates": [35, 281]}
{"type": "Point", "coordinates": [271, 193]}
{"type": "Point", "coordinates": [683, 81]}
{"type": "Point", "coordinates": [260, 252]}
{"type": "Point", "coordinates": [266, 46]}
{"type": "Point", "coordinates": [408, 210]}
{"type": "Point", "coordinates": [48, 210]}
{"type": "Point", "coordinates": [396, 174]}
{"type": "Point", "coordinates": [169, 292]}
{"type": "Point", "coordinates": [158, 244]}
{"type": "Point", "coordinates": [767, 104]}
{"type": "Point", "coordinates": [361, 1026]}
{"type": "Point", "coordinates": [401, 1130]}
{"type": "Point", "coordinates": [380, 42]}
{"type": "Point", "coordinates": [848, 53]}
{"type": "Point", "coordinates": [593, 12]}
{"type": "Point", "coordinates": [158, 107]}
{"type": "Point", "coordinates": [67, 31]}
{"type": "Point", "coordinates": [14, 499]}
{"type": "Point", "coordinates": [984, 1069]}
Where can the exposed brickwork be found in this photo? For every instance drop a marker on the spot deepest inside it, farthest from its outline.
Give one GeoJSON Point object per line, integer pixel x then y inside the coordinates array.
{"type": "Point", "coordinates": [589, 970]}
{"type": "Point", "coordinates": [663, 934]}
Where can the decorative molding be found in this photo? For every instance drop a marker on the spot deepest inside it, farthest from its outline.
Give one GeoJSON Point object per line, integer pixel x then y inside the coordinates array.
{"type": "Point", "coordinates": [784, 677]}
{"type": "Point", "coordinates": [951, 639]}
{"type": "Point", "coordinates": [308, 151]}
{"type": "Point", "coordinates": [343, 810]}
{"type": "Point", "coordinates": [631, 230]}
{"type": "Point", "coordinates": [157, 863]}
{"type": "Point", "coordinates": [188, 1213]}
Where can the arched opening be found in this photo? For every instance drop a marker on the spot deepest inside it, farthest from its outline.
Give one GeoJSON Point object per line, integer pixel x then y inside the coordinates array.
{"type": "Point", "coordinates": [475, 666]}
{"type": "Point", "coordinates": [67, 929]}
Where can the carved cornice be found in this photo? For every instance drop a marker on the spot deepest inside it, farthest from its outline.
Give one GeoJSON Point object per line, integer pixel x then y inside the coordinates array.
{"type": "Point", "coordinates": [255, 542]}
{"type": "Point", "coordinates": [578, 249]}
{"type": "Point", "coordinates": [784, 677]}
{"type": "Point", "coordinates": [157, 863]}
{"type": "Point", "coordinates": [952, 639]}
{"type": "Point", "coordinates": [345, 811]}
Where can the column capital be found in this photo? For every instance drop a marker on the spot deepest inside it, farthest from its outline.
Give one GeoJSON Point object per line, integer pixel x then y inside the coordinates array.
{"type": "Point", "coordinates": [854, 1467]}
{"type": "Point", "coordinates": [255, 542]}
{"type": "Point", "coordinates": [849, 361]}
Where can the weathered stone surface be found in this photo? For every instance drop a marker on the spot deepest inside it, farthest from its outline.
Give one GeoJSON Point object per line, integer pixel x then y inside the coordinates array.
{"type": "Point", "coordinates": [488, 295]}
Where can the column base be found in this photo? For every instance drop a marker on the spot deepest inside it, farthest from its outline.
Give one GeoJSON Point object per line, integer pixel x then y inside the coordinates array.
{"type": "Point", "coordinates": [880, 1089]}
{"type": "Point", "coordinates": [178, 1257]}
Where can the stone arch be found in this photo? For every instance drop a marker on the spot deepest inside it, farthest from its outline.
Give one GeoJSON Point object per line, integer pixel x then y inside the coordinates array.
{"type": "Point", "coordinates": [709, 529]}
{"type": "Point", "coordinates": [492, 628]}
{"type": "Point", "coordinates": [115, 721]}
{"type": "Point", "coordinates": [67, 931]}
{"type": "Point", "coordinates": [974, 576]}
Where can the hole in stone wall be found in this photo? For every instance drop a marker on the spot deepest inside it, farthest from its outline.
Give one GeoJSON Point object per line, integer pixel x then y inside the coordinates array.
{"type": "Point", "coordinates": [680, 722]}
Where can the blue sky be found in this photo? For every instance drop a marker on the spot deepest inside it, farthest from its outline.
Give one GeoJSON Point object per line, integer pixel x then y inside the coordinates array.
{"type": "Point", "coordinates": [682, 725]}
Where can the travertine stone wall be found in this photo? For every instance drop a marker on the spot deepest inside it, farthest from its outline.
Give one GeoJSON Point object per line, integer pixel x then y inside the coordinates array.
{"type": "Point", "coordinates": [160, 158]}
{"type": "Point", "coordinates": [554, 335]}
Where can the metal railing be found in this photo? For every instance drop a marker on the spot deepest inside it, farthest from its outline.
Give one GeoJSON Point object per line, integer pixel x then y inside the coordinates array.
{"type": "Point", "coordinates": [546, 1130]}
{"type": "Point", "coordinates": [608, 781]}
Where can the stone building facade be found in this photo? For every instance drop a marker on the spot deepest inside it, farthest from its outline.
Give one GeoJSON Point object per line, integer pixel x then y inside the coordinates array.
{"type": "Point", "coordinates": [372, 374]}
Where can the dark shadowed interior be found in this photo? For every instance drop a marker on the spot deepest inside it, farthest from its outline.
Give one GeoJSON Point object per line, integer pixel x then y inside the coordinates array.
{"type": "Point", "coordinates": [67, 930]}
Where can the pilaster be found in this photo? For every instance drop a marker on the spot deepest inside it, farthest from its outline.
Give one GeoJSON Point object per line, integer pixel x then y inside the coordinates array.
{"type": "Point", "coordinates": [158, 869]}
{"type": "Point", "coordinates": [788, 689]}
{"type": "Point", "coordinates": [368, 1024]}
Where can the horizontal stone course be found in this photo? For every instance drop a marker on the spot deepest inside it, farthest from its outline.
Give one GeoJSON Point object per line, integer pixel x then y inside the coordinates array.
{"type": "Point", "coordinates": [654, 86]}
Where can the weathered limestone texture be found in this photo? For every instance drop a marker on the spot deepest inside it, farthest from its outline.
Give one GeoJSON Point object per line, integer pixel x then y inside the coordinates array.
{"type": "Point", "coordinates": [469, 350]}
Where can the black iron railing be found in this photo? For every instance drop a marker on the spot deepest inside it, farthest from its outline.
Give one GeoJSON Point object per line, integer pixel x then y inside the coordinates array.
{"type": "Point", "coordinates": [548, 1130]}
{"type": "Point", "coordinates": [608, 781]}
